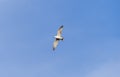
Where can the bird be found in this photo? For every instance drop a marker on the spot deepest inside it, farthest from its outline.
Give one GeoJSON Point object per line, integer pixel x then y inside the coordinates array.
{"type": "Point", "coordinates": [58, 37]}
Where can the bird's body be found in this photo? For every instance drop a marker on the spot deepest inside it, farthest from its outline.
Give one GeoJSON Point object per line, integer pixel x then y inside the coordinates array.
{"type": "Point", "coordinates": [58, 37]}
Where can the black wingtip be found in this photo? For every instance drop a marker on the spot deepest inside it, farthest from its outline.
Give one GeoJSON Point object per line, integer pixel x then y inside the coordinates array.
{"type": "Point", "coordinates": [61, 26]}
{"type": "Point", "coordinates": [53, 49]}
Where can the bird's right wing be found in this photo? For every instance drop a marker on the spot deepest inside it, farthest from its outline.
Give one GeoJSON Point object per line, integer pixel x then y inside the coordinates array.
{"type": "Point", "coordinates": [55, 44]}
{"type": "Point", "coordinates": [60, 31]}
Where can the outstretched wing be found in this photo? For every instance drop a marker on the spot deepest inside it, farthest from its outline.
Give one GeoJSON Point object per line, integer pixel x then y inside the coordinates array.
{"type": "Point", "coordinates": [55, 44]}
{"type": "Point", "coordinates": [60, 31]}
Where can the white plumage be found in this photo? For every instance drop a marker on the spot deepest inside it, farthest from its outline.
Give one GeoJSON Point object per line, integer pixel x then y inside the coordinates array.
{"type": "Point", "coordinates": [58, 37]}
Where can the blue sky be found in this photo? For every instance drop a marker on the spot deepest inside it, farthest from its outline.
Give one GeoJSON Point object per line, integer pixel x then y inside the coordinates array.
{"type": "Point", "coordinates": [91, 44]}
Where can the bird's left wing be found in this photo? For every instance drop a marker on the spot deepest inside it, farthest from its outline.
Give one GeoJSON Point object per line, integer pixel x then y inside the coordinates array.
{"type": "Point", "coordinates": [55, 44]}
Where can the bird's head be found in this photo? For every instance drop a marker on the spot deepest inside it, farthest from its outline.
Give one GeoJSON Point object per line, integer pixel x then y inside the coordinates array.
{"type": "Point", "coordinates": [62, 39]}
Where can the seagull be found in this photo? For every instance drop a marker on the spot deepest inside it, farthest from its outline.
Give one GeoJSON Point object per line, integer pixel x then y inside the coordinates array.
{"type": "Point", "coordinates": [58, 37]}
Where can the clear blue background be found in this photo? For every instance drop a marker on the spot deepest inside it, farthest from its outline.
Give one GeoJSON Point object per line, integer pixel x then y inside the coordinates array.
{"type": "Point", "coordinates": [91, 47]}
